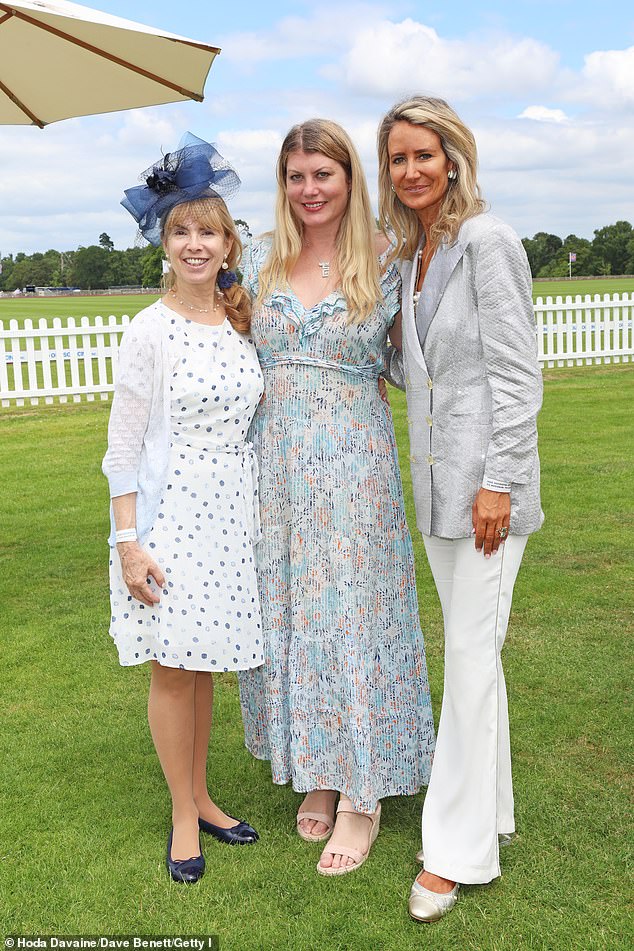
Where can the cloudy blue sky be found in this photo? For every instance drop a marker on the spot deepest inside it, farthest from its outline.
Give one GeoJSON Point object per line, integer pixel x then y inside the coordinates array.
{"type": "Point", "coordinates": [546, 85]}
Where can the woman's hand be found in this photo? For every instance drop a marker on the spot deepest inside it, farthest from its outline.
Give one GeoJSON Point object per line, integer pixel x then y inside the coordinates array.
{"type": "Point", "coordinates": [383, 390]}
{"type": "Point", "coordinates": [137, 568]}
{"type": "Point", "coordinates": [491, 513]}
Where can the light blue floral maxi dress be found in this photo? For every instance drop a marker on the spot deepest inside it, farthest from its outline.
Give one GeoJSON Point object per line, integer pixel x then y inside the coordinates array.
{"type": "Point", "coordinates": [342, 701]}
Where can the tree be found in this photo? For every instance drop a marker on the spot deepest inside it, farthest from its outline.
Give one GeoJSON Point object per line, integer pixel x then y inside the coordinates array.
{"type": "Point", "coordinates": [611, 246]}
{"type": "Point", "coordinates": [105, 241]}
{"type": "Point", "coordinates": [153, 267]}
{"type": "Point", "coordinates": [558, 266]}
{"type": "Point", "coordinates": [38, 269]}
{"type": "Point", "coordinates": [541, 249]}
{"type": "Point", "coordinates": [629, 264]}
{"type": "Point", "coordinates": [91, 268]}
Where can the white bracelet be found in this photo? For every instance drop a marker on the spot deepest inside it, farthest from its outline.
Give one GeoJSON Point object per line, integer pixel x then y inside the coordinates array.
{"type": "Point", "coordinates": [125, 535]}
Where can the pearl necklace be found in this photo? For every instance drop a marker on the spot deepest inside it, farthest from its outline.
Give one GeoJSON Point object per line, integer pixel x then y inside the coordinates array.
{"type": "Point", "coordinates": [218, 295]}
{"type": "Point", "coordinates": [423, 260]}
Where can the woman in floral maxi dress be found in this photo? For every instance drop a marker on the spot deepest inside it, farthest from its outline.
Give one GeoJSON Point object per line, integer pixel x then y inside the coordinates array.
{"type": "Point", "coordinates": [341, 705]}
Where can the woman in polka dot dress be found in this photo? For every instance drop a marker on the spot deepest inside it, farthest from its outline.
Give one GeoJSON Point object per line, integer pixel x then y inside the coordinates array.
{"type": "Point", "coordinates": [183, 482]}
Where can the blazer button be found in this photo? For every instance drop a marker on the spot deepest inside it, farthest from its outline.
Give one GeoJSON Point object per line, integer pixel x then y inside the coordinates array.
{"type": "Point", "coordinates": [429, 383]}
{"type": "Point", "coordinates": [428, 420]}
{"type": "Point", "coordinates": [430, 460]}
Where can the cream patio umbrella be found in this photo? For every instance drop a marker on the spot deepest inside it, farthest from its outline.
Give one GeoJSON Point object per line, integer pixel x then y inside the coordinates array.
{"type": "Point", "coordinates": [59, 60]}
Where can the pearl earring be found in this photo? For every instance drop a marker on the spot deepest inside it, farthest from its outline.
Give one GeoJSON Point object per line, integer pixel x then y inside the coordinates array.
{"type": "Point", "coordinates": [224, 265]}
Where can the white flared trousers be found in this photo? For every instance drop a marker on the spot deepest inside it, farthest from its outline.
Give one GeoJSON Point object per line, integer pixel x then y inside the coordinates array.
{"type": "Point", "coordinates": [470, 795]}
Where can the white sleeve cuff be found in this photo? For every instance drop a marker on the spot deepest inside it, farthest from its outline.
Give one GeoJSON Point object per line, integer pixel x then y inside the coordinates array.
{"type": "Point", "coordinates": [493, 486]}
{"type": "Point", "coordinates": [122, 483]}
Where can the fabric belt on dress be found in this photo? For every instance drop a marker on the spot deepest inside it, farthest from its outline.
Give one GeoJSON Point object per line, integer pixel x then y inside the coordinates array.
{"type": "Point", "coordinates": [369, 371]}
{"type": "Point", "coordinates": [250, 474]}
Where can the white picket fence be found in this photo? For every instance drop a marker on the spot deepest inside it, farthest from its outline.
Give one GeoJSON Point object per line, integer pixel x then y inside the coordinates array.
{"type": "Point", "coordinates": [61, 360]}
{"type": "Point", "coordinates": [78, 360]}
{"type": "Point", "coordinates": [578, 331]}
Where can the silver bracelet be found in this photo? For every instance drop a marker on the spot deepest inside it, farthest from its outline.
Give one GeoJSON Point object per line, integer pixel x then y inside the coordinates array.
{"type": "Point", "coordinates": [125, 535]}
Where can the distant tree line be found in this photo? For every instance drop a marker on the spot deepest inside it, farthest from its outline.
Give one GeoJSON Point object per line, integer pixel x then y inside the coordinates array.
{"type": "Point", "coordinates": [99, 266]}
{"type": "Point", "coordinates": [611, 251]}
{"type": "Point", "coordinates": [93, 268]}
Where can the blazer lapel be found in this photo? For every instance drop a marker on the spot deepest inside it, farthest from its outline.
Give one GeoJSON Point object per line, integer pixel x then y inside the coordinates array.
{"type": "Point", "coordinates": [405, 267]}
{"type": "Point", "coordinates": [439, 271]}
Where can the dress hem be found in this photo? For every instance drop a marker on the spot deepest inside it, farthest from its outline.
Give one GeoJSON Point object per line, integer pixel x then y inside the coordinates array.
{"type": "Point", "coordinates": [201, 670]}
{"type": "Point", "coordinates": [359, 805]}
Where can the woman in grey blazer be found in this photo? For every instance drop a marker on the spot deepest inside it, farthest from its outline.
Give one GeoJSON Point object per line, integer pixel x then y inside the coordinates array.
{"type": "Point", "coordinates": [469, 366]}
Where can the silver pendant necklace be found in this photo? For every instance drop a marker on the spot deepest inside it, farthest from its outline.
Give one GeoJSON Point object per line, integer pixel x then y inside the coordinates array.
{"type": "Point", "coordinates": [324, 265]}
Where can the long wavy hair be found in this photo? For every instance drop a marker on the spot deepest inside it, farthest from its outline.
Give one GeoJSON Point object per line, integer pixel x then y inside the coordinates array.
{"type": "Point", "coordinates": [211, 212]}
{"type": "Point", "coordinates": [356, 256]}
{"type": "Point", "coordinates": [462, 199]}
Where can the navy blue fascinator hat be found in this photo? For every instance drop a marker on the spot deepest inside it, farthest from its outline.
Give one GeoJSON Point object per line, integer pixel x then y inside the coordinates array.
{"type": "Point", "coordinates": [195, 170]}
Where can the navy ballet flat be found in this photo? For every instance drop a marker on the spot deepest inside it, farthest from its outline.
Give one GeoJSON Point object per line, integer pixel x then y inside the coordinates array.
{"type": "Point", "coordinates": [239, 834]}
{"type": "Point", "coordinates": [185, 871]}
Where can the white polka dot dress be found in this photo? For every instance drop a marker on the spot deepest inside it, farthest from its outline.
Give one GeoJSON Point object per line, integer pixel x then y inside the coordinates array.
{"type": "Point", "coordinates": [208, 617]}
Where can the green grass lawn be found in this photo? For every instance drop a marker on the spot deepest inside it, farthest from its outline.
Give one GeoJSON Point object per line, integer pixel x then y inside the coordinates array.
{"type": "Point", "coordinates": [77, 307]}
{"type": "Point", "coordinates": [49, 307]}
{"type": "Point", "coordinates": [85, 813]}
{"type": "Point", "coordinates": [599, 285]}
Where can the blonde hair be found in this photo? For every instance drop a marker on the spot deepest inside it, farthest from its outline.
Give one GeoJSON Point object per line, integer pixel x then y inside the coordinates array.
{"type": "Point", "coordinates": [463, 198]}
{"type": "Point", "coordinates": [211, 212]}
{"type": "Point", "coordinates": [356, 256]}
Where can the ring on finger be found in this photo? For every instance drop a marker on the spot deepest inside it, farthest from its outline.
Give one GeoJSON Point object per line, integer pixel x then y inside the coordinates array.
{"type": "Point", "coordinates": [503, 532]}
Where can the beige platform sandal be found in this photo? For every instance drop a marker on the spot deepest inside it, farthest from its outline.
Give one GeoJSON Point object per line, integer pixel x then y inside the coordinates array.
{"type": "Point", "coordinates": [354, 854]}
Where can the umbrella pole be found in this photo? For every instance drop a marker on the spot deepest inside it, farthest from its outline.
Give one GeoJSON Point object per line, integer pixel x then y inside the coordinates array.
{"type": "Point", "coordinates": [27, 112]}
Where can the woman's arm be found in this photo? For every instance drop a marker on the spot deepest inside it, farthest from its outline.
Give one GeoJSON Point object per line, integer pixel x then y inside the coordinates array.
{"type": "Point", "coordinates": [490, 514]}
{"type": "Point", "coordinates": [393, 370]}
{"type": "Point", "coordinates": [395, 332]}
{"type": "Point", "coordinates": [129, 418]}
{"type": "Point", "coordinates": [507, 330]}
{"type": "Point", "coordinates": [136, 565]}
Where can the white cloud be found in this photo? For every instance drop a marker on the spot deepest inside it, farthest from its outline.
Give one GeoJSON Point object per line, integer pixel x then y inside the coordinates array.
{"type": "Point", "coordinates": [557, 177]}
{"type": "Point", "coordinates": [395, 58]}
{"type": "Point", "coordinates": [609, 78]}
{"type": "Point", "coordinates": [561, 167]}
{"type": "Point", "coordinates": [328, 29]}
{"type": "Point", "coordinates": [543, 114]}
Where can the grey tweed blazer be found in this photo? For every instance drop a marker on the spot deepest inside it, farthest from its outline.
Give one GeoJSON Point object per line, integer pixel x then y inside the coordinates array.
{"type": "Point", "coordinates": [474, 387]}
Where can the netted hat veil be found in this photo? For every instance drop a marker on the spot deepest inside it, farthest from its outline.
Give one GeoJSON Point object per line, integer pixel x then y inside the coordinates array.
{"type": "Point", "coordinates": [195, 170]}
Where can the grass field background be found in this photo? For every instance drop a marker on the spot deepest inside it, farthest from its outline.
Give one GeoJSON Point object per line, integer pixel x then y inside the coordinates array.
{"type": "Point", "coordinates": [597, 285]}
{"type": "Point", "coordinates": [116, 305]}
{"type": "Point", "coordinates": [85, 814]}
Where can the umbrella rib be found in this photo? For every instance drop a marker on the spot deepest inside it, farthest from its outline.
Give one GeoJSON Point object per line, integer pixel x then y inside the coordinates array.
{"type": "Point", "coordinates": [109, 56]}
{"type": "Point", "coordinates": [27, 112]}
